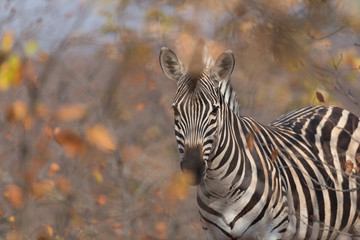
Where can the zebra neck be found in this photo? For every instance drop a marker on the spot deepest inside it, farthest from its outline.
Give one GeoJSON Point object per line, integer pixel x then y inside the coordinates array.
{"type": "Point", "coordinates": [228, 164]}
{"type": "Point", "coordinates": [229, 96]}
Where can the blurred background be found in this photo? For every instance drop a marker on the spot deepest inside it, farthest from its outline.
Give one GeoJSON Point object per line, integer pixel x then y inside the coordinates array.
{"type": "Point", "coordinates": [87, 149]}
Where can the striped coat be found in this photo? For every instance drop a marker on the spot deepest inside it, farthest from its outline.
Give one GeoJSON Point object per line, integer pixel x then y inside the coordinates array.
{"type": "Point", "coordinates": [296, 178]}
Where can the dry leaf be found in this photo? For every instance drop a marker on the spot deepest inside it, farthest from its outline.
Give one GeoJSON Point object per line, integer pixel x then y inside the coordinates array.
{"type": "Point", "coordinates": [16, 112]}
{"type": "Point", "coordinates": [13, 235]}
{"type": "Point", "coordinates": [161, 229]}
{"type": "Point", "coordinates": [7, 41]}
{"type": "Point", "coordinates": [101, 200]}
{"type": "Point", "coordinates": [69, 113]}
{"type": "Point", "coordinates": [70, 141]}
{"type": "Point", "coordinates": [49, 230]}
{"type": "Point", "coordinates": [274, 155]}
{"type": "Point", "coordinates": [140, 107]}
{"type": "Point", "coordinates": [178, 189]}
{"type": "Point", "coordinates": [98, 176]}
{"type": "Point", "coordinates": [11, 72]}
{"type": "Point", "coordinates": [250, 141]}
{"type": "Point", "coordinates": [349, 166]}
{"type": "Point", "coordinates": [41, 189]}
{"type": "Point", "coordinates": [320, 97]}
{"type": "Point", "coordinates": [100, 137]}
{"type": "Point", "coordinates": [15, 195]}
{"type": "Point", "coordinates": [54, 168]}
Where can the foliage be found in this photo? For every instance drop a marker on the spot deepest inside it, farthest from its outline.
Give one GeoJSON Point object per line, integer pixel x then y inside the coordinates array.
{"type": "Point", "coordinates": [87, 148]}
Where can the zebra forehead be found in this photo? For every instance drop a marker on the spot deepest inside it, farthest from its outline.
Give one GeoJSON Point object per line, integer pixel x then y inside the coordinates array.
{"type": "Point", "coordinates": [197, 88]}
{"type": "Point", "coordinates": [197, 80]}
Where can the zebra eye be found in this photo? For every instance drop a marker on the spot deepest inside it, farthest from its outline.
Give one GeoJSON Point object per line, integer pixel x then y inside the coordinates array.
{"type": "Point", "coordinates": [214, 111]}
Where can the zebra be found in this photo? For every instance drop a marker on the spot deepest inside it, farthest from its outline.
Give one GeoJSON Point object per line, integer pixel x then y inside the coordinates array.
{"type": "Point", "coordinates": [297, 177]}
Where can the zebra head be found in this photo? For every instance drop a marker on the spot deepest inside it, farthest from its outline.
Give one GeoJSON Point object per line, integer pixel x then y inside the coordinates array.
{"type": "Point", "coordinates": [197, 106]}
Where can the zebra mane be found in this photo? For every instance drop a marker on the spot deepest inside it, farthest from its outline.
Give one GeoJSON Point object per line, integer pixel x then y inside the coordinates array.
{"type": "Point", "coordinates": [230, 96]}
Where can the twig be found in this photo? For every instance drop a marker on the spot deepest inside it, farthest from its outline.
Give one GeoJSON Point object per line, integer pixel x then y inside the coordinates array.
{"type": "Point", "coordinates": [329, 34]}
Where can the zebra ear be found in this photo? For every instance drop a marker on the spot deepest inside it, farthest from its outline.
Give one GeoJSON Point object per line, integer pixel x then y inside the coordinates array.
{"type": "Point", "coordinates": [170, 64]}
{"type": "Point", "coordinates": [223, 66]}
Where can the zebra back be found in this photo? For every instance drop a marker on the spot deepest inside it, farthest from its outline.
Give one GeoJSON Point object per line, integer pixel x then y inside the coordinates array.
{"type": "Point", "coordinates": [320, 158]}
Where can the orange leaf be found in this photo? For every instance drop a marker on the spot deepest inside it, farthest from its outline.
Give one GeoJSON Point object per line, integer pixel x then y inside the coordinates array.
{"type": "Point", "coordinates": [161, 230]}
{"type": "Point", "coordinates": [100, 137]}
{"type": "Point", "coordinates": [16, 112]}
{"type": "Point", "coordinates": [140, 107]}
{"type": "Point", "coordinates": [70, 141]}
{"type": "Point", "coordinates": [73, 112]}
{"type": "Point", "coordinates": [178, 189]}
{"type": "Point", "coordinates": [15, 195]}
{"type": "Point", "coordinates": [7, 41]}
{"type": "Point", "coordinates": [41, 189]}
{"type": "Point", "coordinates": [101, 200]}
{"type": "Point", "coordinates": [13, 235]}
{"type": "Point", "coordinates": [49, 230]}
{"type": "Point", "coordinates": [54, 168]}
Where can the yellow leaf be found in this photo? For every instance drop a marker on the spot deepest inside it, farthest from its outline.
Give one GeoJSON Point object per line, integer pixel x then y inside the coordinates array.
{"type": "Point", "coordinates": [70, 113]}
{"type": "Point", "coordinates": [31, 47]}
{"type": "Point", "coordinates": [100, 137]}
{"type": "Point", "coordinates": [12, 218]}
{"type": "Point", "coordinates": [7, 41]}
{"type": "Point", "coordinates": [10, 72]}
{"type": "Point", "coordinates": [98, 176]}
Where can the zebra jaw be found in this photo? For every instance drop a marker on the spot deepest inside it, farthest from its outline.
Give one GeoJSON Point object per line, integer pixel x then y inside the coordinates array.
{"type": "Point", "coordinates": [193, 165]}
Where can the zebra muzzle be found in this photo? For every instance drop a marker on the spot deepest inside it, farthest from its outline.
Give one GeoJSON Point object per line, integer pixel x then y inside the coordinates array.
{"type": "Point", "coordinates": [193, 164]}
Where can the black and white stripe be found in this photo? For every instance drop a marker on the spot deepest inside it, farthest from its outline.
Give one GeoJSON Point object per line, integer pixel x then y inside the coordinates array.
{"type": "Point", "coordinates": [296, 178]}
